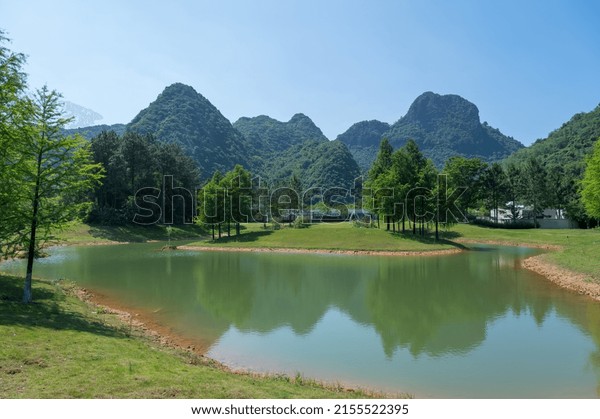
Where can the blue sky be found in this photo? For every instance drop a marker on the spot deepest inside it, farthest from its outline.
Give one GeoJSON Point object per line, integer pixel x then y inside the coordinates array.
{"type": "Point", "coordinates": [527, 65]}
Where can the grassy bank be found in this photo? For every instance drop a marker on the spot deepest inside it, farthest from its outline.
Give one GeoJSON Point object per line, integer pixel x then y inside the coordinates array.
{"type": "Point", "coordinates": [79, 233]}
{"type": "Point", "coordinates": [579, 248]}
{"type": "Point", "coordinates": [333, 236]}
{"type": "Point", "coordinates": [62, 347]}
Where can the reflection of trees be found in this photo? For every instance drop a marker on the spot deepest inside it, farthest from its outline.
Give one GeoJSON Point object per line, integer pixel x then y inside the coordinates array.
{"type": "Point", "coordinates": [427, 305]}
{"type": "Point", "coordinates": [264, 292]}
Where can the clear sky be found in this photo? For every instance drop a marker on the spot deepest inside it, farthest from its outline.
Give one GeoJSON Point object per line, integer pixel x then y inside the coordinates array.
{"type": "Point", "coordinates": [527, 65]}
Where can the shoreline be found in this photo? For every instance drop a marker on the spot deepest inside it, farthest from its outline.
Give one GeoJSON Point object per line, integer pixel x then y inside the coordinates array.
{"type": "Point", "coordinates": [321, 251]}
{"type": "Point", "coordinates": [563, 277]}
{"type": "Point", "coordinates": [148, 328]}
{"type": "Point", "coordinates": [509, 243]}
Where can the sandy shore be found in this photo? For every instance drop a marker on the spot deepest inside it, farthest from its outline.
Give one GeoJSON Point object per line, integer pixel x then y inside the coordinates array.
{"type": "Point", "coordinates": [564, 278]}
{"type": "Point", "coordinates": [320, 251]}
{"type": "Point", "coordinates": [140, 321]}
{"type": "Point", "coordinates": [509, 243]}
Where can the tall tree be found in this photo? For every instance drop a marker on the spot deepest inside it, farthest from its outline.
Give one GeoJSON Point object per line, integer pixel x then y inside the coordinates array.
{"type": "Point", "coordinates": [12, 111]}
{"type": "Point", "coordinates": [513, 188]}
{"type": "Point", "coordinates": [535, 186]}
{"type": "Point", "coordinates": [465, 173]}
{"type": "Point", "coordinates": [55, 176]}
{"type": "Point", "coordinates": [494, 186]}
{"type": "Point", "coordinates": [590, 191]}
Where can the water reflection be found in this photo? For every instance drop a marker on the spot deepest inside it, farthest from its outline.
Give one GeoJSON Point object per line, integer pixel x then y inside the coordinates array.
{"type": "Point", "coordinates": [429, 307]}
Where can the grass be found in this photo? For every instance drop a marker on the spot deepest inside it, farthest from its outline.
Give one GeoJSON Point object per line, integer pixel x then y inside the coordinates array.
{"type": "Point", "coordinates": [79, 233]}
{"type": "Point", "coordinates": [331, 236]}
{"type": "Point", "coordinates": [62, 347]}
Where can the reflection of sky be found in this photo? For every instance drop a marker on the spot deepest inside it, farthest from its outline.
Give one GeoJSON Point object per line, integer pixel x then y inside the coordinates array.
{"type": "Point", "coordinates": [463, 325]}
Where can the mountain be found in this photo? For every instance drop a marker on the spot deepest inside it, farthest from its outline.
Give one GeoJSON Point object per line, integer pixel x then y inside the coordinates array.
{"type": "Point", "coordinates": [363, 140]}
{"type": "Point", "coordinates": [271, 135]}
{"type": "Point", "coordinates": [442, 126]}
{"type": "Point", "coordinates": [320, 164]}
{"type": "Point", "coordinates": [183, 116]}
{"type": "Point", "coordinates": [95, 130]}
{"type": "Point", "coordinates": [81, 117]}
{"type": "Point", "coordinates": [567, 146]}
{"type": "Point", "coordinates": [297, 147]}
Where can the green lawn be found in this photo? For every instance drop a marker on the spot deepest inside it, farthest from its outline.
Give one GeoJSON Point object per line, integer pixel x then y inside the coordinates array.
{"type": "Point", "coordinates": [331, 236]}
{"type": "Point", "coordinates": [61, 347]}
{"type": "Point", "coordinates": [79, 233]}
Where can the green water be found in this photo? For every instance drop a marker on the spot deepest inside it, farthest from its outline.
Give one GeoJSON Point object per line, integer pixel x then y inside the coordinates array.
{"type": "Point", "coordinates": [467, 325]}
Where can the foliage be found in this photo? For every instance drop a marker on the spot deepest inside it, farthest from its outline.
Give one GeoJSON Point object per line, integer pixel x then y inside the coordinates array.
{"type": "Point", "coordinates": [317, 164]}
{"type": "Point", "coordinates": [136, 161]}
{"type": "Point", "coordinates": [12, 112]}
{"type": "Point", "coordinates": [53, 176]}
{"type": "Point", "coordinates": [590, 193]}
{"type": "Point", "coordinates": [226, 199]}
{"type": "Point", "coordinates": [465, 176]}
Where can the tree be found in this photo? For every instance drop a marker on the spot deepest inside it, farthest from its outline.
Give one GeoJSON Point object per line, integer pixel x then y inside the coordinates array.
{"type": "Point", "coordinates": [238, 186]}
{"type": "Point", "coordinates": [590, 185]}
{"type": "Point", "coordinates": [377, 187]}
{"type": "Point", "coordinates": [12, 111]}
{"type": "Point", "coordinates": [494, 186]}
{"type": "Point", "coordinates": [465, 173]}
{"type": "Point", "coordinates": [55, 176]}
{"type": "Point", "coordinates": [535, 186]}
{"type": "Point", "coordinates": [513, 188]}
{"type": "Point", "coordinates": [211, 203]}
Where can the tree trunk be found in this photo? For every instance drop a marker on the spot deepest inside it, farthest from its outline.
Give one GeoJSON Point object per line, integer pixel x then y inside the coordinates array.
{"type": "Point", "coordinates": [27, 295]}
{"type": "Point", "coordinates": [394, 225]}
{"type": "Point", "coordinates": [228, 228]}
{"type": "Point", "coordinates": [387, 222]}
{"type": "Point", "coordinates": [213, 232]}
{"type": "Point", "coordinates": [414, 224]}
{"type": "Point", "coordinates": [403, 221]}
{"type": "Point", "coordinates": [219, 230]}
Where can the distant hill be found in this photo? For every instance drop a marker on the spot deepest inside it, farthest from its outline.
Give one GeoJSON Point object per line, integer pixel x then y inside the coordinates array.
{"type": "Point", "coordinates": [363, 140]}
{"type": "Point", "coordinates": [183, 116]}
{"type": "Point", "coordinates": [297, 147]}
{"type": "Point", "coordinates": [81, 117]}
{"type": "Point", "coordinates": [323, 164]}
{"type": "Point", "coordinates": [442, 126]}
{"type": "Point", "coordinates": [95, 130]}
{"type": "Point", "coordinates": [268, 134]}
{"type": "Point", "coordinates": [567, 146]}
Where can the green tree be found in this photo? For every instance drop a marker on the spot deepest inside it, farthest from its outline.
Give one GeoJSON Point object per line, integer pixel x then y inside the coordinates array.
{"type": "Point", "coordinates": [55, 176]}
{"type": "Point", "coordinates": [513, 188]}
{"type": "Point", "coordinates": [465, 173]}
{"type": "Point", "coordinates": [238, 188]}
{"type": "Point", "coordinates": [211, 203]}
{"type": "Point", "coordinates": [493, 182]}
{"type": "Point", "coordinates": [377, 191]}
{"type": "Point", "coordinates": [590, 185]}
{"type": "Point", "coordinates": [12, 112]}
{"type": "Point", "coordinates": [535, 186]}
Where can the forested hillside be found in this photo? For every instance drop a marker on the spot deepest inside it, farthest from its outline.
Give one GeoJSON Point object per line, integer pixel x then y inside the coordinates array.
{"type": "Point", "coordinates": [567, 146]}
{"type": "Point", "coordinates": [182, 116]}
{"type": "Point", "coordinates": [442, 126]}
{"type": "Point", "coordinates": [363, 140]}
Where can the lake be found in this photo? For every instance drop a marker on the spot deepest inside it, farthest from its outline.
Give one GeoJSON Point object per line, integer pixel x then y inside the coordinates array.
{"type": "Point", "coordinates": [472, 324]}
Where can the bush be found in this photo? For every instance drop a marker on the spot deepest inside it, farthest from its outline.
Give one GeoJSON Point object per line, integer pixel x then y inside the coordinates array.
{"type": "Point", "coordinates": [519, 224]}
{"type": "Point", "coordinates": [301, 222]}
